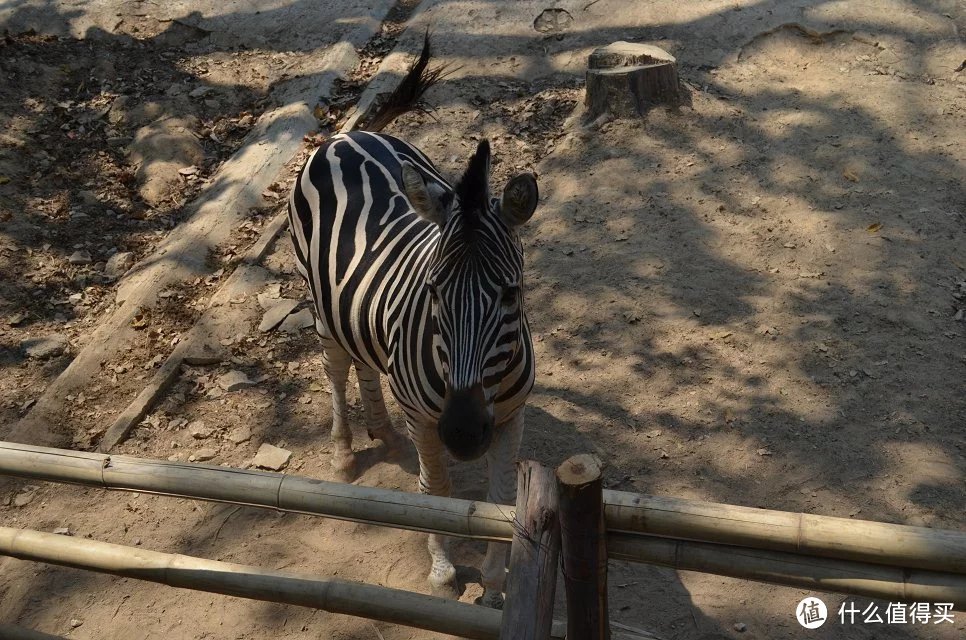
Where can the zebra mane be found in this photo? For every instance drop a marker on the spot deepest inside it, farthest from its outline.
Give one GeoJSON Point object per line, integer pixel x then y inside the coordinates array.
{"type": "Point", "coordinates": [473, 189]}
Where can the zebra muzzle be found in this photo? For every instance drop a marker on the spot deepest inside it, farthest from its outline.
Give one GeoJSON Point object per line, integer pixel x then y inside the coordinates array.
{"type": "Point", "coordinates": [466, 424]}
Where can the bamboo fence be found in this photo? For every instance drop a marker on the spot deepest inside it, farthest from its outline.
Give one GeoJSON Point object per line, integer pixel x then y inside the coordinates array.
{"type": "Point", "coordinates": [806, 551]}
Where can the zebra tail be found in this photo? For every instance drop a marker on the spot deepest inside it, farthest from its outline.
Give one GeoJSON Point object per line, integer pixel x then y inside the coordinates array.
{"type": "Point", "coordinates": [405, 97]}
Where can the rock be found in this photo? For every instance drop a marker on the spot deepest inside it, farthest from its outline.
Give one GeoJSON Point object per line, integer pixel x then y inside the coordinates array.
{"type": "Point", "coordinates": [88, 197]}
{"type": "Point", "coordinates": [270, 296]}
{"type": "Point", "coordinates": [23, 499]}
{"type": "Point", "coordinates": [46, 347]}
{"type": "Point", "coordinates": [235, 380]}
{"type": "Point", "coordinates": [200, 92]}
{"type": "Point", "coordinates": [740, 627]}
{"type": "Point", "coordinates": [61, 531]}
{"type": "Point", "coordinates": [271, 457]}
{"type": "Point", "coordinates": [198, 430]}
{"type": "Point", "coordinates": [239, 435]}
{"type": "Point", "coordinates": [118, 264]}
{"type": "Point", "coordinates": [16, 319]}
{"type": "Point", "coordinates": [80, 257]}
{"type": "Point", "coordinates": [202, 454]}
{"type": "Point", "coordinates": [161, 149]}
{"type": "Point", "coordinates": [298, 321]}
{"type": "Point", "coordinates": [276, 314]}
{"type": "Point", "coordinates": [74, 623]}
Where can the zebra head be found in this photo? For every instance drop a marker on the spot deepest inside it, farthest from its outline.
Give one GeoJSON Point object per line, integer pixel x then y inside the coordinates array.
{"type": "Point", "coordinates": [475, 284]}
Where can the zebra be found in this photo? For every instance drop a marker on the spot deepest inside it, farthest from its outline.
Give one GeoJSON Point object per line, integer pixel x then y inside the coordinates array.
{"type": "Point", "coordinates": [420, 280]}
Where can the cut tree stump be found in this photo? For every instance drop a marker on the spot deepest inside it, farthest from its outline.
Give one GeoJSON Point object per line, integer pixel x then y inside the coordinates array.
{"type": "Point", "coordinates": [626, 80]}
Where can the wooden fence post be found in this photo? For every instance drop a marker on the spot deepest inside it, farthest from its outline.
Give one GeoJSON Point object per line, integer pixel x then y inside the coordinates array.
{"type": "Point", "coordinates": [528, 611]}
{"type": "Point", "coordinates": [583, 547]}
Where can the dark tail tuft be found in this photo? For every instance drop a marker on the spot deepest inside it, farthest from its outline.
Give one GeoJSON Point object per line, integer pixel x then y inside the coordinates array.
{"type": "Point", "coordinates": [406, 97]}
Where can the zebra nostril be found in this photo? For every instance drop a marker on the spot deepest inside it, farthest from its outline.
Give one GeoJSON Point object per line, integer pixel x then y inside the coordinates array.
{"type": "Point", "coordinates": [466, 423]}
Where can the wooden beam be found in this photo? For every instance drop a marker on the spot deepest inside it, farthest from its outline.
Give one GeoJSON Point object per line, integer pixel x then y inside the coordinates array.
{"type": "Point", "coordinates": [584, 548]}
{"type": "Point", "coordinates": [528, 612]}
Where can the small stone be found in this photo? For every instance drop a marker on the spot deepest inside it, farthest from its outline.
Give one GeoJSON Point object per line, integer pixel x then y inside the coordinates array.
{"type": "Point", "coordinates": [276, 314]}
{"type": "Point", "coordinates": [16, 319]}
{"type": "Point", "coordinates": [61, 531]}
{"type": "Point", "coordinates": [88, 197]}
{"type": "Point", "coordinates": [740, 627]}
{"type": "Point", "coordinates": [118, 264]}
{"type": "Point", "coordinates": [47, 347]}
{"type": "Point", "coordinates": [80, 257]}
{"type": "Point", "coordinates": [239, 435]}
{"type": "Point", "coordinates": [198, 430]}
{"type": "Point", "coordinates": [199, 92]}
{"type": "Point", "coordinates": [271, 457]}
{"type": "Point", "coordinates": [202, 454]}
{"type": "Point", "coordinates": [269, 297]}
{"type": "Point", "coordinates": [23, 499]}
{"type": "Point", "coordinates": [298, 321]}
{"type": "Point", "coordinates": [74, 623]}
{"type": "Point", "coordinates": [235, 380]}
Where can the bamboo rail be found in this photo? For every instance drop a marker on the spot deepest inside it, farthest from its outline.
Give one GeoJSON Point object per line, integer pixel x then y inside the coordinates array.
{"type": "Point", "coordinates": [794, 570]}
{"type": "Point", "coordinates": [762, 538]}
{"type": "Point", "coordinates": [336, 596]}
{"type": "Point", "coordinates": [804, 533]}
{"type": "Point", "coordinates": [249, 487]}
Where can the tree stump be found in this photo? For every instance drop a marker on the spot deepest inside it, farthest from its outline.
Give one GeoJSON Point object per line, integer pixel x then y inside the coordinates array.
{"type": "Point", "coordinates": [626, 80]}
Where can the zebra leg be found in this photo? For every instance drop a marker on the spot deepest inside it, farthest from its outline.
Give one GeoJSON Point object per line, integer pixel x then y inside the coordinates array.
{"type": "Point", "coordinates": [377, 418]}
{"type": "Point", "coordinates": [336, 362]}
{"type": "Point", "coordinates": [501, 467]}
{"type": "Point", "coordinates": [434, 480]}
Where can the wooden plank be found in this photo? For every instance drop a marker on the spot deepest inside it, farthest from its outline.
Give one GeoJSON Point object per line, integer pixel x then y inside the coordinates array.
{"type": "Point", "coordinates": [583, 547]}
{"type": "Point", "coordinates": [528, 612]}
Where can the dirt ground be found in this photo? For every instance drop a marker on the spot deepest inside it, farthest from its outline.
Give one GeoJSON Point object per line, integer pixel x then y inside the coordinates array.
{"type": "Point", "coordinates": [758, 300]}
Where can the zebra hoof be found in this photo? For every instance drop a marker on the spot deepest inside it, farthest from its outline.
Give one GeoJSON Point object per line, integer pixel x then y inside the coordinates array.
{"type": "Point", "coordinates": [344, 467]}
{"type": "Point", "coordinates": [443, 583]}
{"type": "Point", "coordinates": [492, 599]}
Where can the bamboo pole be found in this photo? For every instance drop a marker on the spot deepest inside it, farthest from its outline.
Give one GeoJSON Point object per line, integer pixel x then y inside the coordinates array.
{"type": "Point", "coordinates": [466, 518]}
{"type": "Point", "coordinates": [528, 612]}
{"type": "Point", "coordinates": [794, 570]}
{"type": "Point", "coordinates": [336, 596]}
{"type": "Point", "coordinates": [670, 517]}
{"type": "Point", "coordinates": [584, 548]}
{"type": "Point", "coordinates": [803, 533]}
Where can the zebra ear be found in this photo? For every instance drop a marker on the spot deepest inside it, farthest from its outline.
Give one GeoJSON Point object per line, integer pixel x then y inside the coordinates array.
{"type": "Point", "coordinates": [426, 199]}
{"type": "Point", "coordinates": [519, 199]}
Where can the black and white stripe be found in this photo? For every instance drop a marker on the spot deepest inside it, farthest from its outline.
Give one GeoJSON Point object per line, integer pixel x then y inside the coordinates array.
{"type": "Point", "coordinates": [421, 281]}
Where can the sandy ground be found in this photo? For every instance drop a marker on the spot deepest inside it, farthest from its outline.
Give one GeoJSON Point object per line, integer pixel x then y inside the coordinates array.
{"type": "Point", "coordinates": [756, 301]}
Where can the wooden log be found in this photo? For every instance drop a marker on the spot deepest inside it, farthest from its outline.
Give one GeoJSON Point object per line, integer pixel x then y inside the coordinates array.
{"type": "Point", "coordinates": [795, 570]}
{"type": "Point", "coordinates": [583, 547]}
{"type": "Point", "coordinates": [626, 80]}
{"type": "Point", "coordinates": [337, 596]}
{"type": "Point", "coordinates": [528, 612]}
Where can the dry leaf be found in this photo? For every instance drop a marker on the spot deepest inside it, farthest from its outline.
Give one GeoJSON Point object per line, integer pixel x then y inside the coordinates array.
{"type": "Point", "coordinates": [139, 321]}
{"type": "Point", "coordinates": [850, 175]}
{"type": "Point", "coordinates": [875, 226]}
